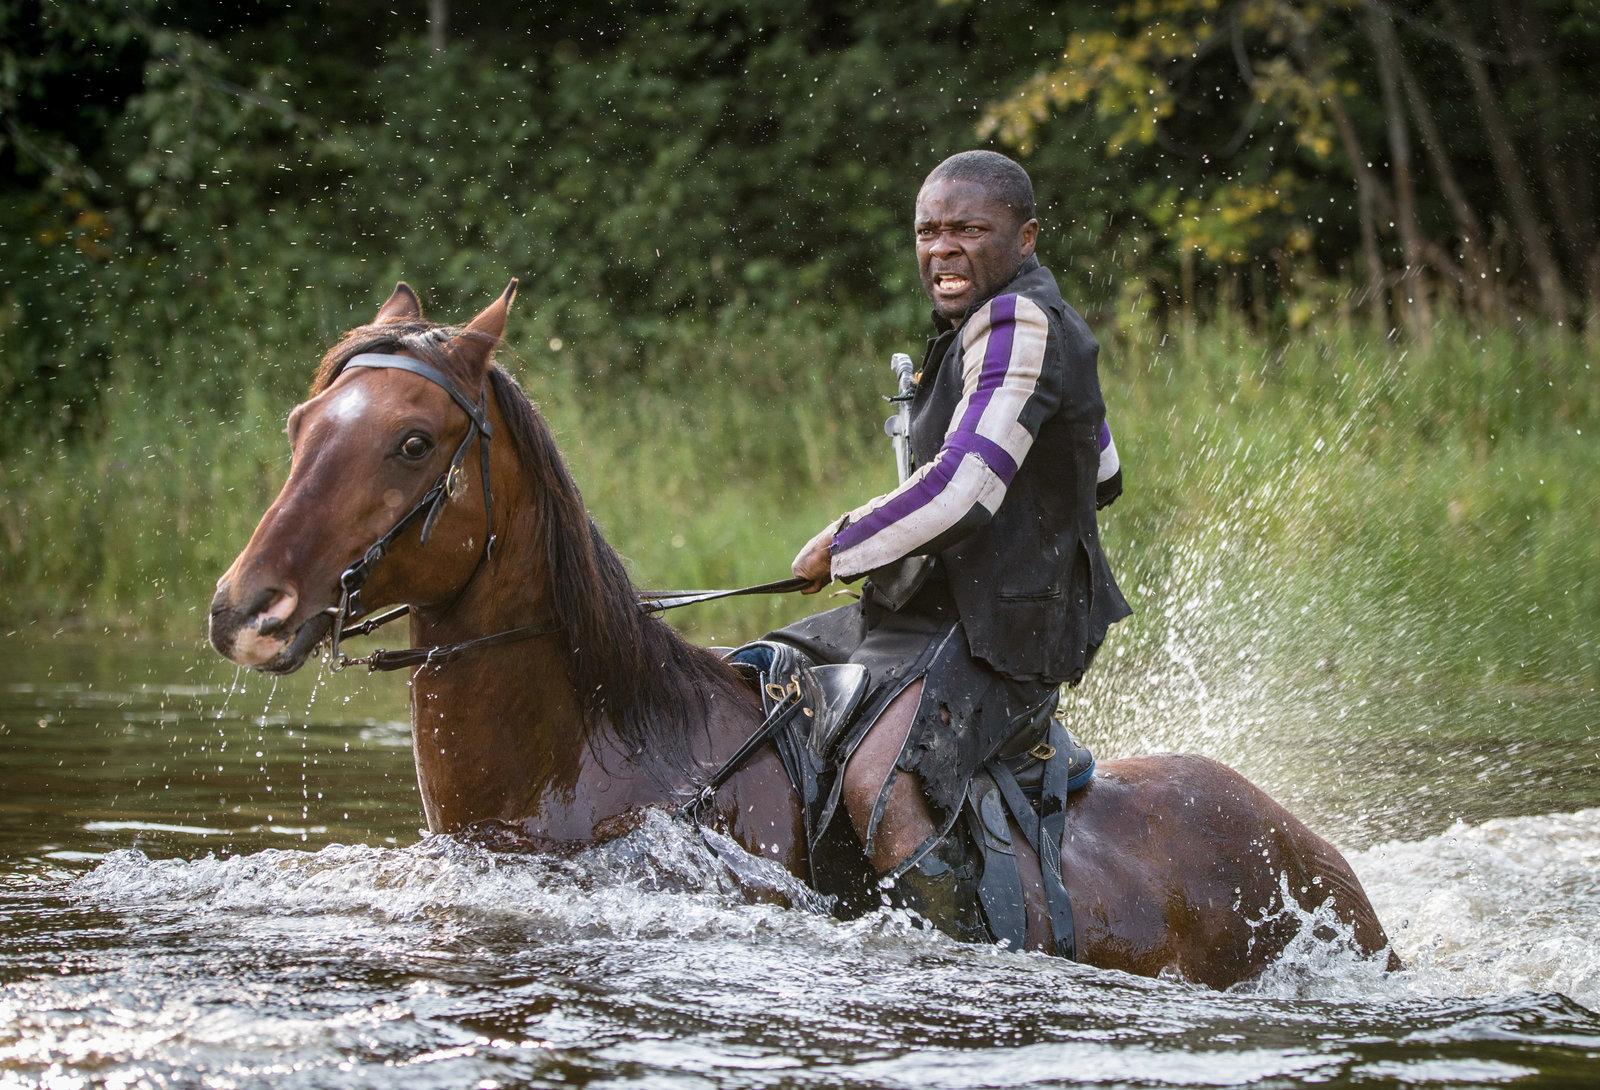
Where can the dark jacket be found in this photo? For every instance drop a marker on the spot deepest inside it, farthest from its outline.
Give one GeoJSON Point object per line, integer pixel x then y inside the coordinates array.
{"type": "Point", "coordinates": [1032, 584]}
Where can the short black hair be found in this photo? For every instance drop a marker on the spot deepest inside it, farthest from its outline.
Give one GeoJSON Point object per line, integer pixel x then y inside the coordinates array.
{"type": "Point", "coordinates": [999, 176]}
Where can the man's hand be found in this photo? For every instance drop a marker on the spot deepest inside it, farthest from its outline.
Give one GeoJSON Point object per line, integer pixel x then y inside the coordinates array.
{"type": "Point", "coordinates": [815, 562]}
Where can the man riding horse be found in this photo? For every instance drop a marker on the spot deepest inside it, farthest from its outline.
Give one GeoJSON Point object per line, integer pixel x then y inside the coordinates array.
{"type": "Point", "coordinates": [546, 700]}
{"type": "Point", "coordinates": [986, 584]}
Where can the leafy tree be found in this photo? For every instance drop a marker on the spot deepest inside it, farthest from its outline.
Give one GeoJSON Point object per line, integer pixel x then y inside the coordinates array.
{"type": "Point", "coordinates": [192, 194]}
{"type": "Point", "coordinates": [1259, 120]}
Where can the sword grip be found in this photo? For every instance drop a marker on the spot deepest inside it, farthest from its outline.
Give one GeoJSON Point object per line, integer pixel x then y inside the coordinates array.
{"type": "Point", "coordinates": [901, 365]}
{"type": "Point", "coordinates": [898, 426]}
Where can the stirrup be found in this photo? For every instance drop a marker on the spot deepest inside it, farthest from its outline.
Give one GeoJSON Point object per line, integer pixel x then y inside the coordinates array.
{"type": "Point", "coordinates": [1035, 745]}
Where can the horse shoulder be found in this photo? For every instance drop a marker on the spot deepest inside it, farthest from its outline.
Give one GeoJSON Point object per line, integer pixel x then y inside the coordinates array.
{"type": "Point", "coordinates": [758, 806]}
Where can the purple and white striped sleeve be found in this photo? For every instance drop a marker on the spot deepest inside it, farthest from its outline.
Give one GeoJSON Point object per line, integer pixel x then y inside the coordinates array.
{"type": "Point", "coordinates": [1002, 361]}
{"type": "Point", "coordinates": [1110, 465]}
{"type": "Point", "coordinates": [1108, 481]}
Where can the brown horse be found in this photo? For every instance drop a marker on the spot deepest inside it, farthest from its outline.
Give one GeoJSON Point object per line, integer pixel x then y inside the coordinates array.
{"type": "Point", "coordinates": [589, 710]}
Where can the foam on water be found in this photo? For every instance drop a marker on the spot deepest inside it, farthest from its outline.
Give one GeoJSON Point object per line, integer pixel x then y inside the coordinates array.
{"type": "Point", "coordinates": [669, 959]}
{"type": "Point", "coordinates": [1510, 905]}
{"type": "Point", "coordinates": [663, 879]}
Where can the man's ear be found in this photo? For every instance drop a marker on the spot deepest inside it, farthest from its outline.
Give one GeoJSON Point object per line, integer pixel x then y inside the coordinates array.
{"type": "Point", "coordinates": [1029, 237]}
{"type": "Point", "coordinates": [401, 307]}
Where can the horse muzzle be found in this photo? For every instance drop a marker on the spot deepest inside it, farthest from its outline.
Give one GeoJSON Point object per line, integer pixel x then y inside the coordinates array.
{"type": "Point", "coordinates": [261, 636]}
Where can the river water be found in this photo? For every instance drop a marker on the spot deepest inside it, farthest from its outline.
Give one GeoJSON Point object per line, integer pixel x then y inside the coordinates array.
{"type": "Point", "coordinates": [210, 880]}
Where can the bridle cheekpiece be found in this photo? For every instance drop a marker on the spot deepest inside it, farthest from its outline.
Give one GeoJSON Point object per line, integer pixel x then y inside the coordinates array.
{"type": "Point", "coordinates": [428, 508]}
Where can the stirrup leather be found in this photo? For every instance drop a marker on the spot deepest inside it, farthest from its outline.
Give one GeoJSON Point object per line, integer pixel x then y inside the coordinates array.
{"type": "Point", "coordinates": [806, 707]}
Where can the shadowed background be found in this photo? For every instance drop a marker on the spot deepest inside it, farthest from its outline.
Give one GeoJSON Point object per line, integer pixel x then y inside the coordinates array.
{"type": "Point", "coordinates": [1342, 259]}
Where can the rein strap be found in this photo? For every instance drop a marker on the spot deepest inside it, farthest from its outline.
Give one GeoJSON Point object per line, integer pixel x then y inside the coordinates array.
{"type": "Point", "coordinates": [650, 602]}
{"type": "Point", "coordinates": [659, 601]}
{"type": "Point", "coordinates": [429, 656]}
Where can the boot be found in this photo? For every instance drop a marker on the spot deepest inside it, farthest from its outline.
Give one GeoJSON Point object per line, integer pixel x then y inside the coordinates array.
{"type": "Point", "coordinates": [941, 887]}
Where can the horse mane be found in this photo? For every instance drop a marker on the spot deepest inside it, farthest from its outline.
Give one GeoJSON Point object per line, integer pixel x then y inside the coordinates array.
{"type": "Point", "coordinates": [626, 666]}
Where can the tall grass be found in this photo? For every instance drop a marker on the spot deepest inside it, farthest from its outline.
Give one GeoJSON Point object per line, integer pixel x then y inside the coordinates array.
{"type": "Point", "coordinates": [1401, 512]}
{"type": "Point", "coordinates": [1347, 506]}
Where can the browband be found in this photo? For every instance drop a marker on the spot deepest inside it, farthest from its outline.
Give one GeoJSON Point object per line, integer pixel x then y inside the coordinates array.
{"type": "Point", "coordinates": [477, 411]}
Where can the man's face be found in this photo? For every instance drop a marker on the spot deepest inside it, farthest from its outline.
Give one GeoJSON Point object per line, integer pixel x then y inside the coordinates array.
{"type": "Point", "coordinates": [969, 244]}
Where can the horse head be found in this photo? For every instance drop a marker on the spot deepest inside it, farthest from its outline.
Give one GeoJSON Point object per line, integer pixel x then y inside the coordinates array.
{"type": "Point", "coordinates": [380, 471]}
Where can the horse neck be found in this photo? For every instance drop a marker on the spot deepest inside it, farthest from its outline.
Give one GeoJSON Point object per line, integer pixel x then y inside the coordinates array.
{"type": "Point", "coordinates": [499, 733]}
{"type": "Point", "coordinates": [496, 732]}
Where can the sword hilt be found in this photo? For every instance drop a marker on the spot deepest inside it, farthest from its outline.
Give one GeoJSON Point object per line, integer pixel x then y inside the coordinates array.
{"type": "Point", "coordinates": [898, 426]}
{"type": "Point", "coordinates": [901, 365]}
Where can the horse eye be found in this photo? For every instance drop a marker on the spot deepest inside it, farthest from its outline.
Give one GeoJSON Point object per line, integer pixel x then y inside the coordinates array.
{"type": "Point", "coordinates": [415, 446]}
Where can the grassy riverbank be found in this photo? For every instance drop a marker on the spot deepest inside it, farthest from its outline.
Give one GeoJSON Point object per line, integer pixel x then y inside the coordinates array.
{"type": "Point", "coordinates": [1327, 506]}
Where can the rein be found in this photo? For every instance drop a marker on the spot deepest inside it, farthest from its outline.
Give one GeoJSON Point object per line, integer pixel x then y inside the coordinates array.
{"type": "Point", "coordinates": [659, 601]}
{"type": "Point", "coordinates": [429, 656]}
{"type": "Point", "coordinates": [429, 508]}
{"type": "Point", "coordinates": [651, 601]}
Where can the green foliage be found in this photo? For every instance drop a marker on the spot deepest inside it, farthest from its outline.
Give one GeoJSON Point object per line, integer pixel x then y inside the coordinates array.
{"type": "Point", "coordinates": [704, 160]}
{"type": "Point", "coordinates": [706, 202]}
{"type": "Point", "coordinates": [1349, 514]}
{"type": "Point", "coordinates": [175, 172]}
{"type": "Point", "coordinates": [1332, 508]}
{"type": "Point", "coordinates": [1282, 136]}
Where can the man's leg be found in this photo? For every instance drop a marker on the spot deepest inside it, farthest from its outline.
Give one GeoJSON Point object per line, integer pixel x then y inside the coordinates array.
{"type": "Point", "coordinates": [906, 823]}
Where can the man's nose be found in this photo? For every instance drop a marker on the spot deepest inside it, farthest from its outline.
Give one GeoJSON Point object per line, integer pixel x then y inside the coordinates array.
{"type": "Point", "coordinates": [945, 244]}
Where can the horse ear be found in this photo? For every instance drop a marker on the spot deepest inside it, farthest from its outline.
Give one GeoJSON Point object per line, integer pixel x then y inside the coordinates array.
{"type": "Point", "coordinates": [493, 319]}
{"type": "Point", "coordinates": [401, 307]}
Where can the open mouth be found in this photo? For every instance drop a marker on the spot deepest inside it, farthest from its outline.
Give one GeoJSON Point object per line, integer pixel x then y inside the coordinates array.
{"type": "Point", "coordinates": [242, 642]}
{"type": "Point", "coordinates": [950, 283]}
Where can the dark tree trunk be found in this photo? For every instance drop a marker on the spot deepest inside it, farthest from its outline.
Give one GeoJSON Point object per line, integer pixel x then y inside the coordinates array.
{"type": "Point", "coordinates": [1413, 285]}
{"type": "Point", "coordinates": [1508, 168]}
{"type": "Point", "coordinates": [1564, 156]}
{"type": "Point", "coordinates": [1475, 277]}
{"type": "Point", "coordinates": [1370, 194]}
{"type": "Point", "coordinates": [438, 24]}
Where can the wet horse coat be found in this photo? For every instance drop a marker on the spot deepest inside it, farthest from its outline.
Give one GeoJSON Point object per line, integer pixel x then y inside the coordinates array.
{"type": "Point", "coordinates": [1174, 864]}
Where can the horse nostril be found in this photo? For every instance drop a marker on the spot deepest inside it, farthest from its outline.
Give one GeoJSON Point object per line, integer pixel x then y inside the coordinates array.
{"type": "Point", "coordinates": [271, 609]}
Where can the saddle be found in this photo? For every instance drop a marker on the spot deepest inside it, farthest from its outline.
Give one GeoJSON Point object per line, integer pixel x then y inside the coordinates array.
{"type": "Point", "coordinates": [828, 697]}
{"type": "Point", "coordinates": [966, 880]}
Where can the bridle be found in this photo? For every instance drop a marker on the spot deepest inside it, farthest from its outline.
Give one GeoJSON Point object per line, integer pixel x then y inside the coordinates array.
{"type": "Point", "coordinates": [428, 509]}
{"type": "Point", "coordinates": [431, 506]}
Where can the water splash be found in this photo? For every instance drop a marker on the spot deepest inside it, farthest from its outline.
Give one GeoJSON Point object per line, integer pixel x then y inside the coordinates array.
{"type": "Point", "coordinates": [1322, 961]}
{"type": "Point", "coordinates": [664, 878]}
{"type": "Point", "coordinates": [665, 881]}
{"type": "Point", "coordinates": [1510, 905]}
{"type": "Point", "coordinates": [646, 962]}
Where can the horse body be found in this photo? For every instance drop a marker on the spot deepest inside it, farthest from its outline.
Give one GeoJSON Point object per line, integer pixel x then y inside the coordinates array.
{"type": "Point", "coordinates": [497, 737]}
{"type": "Point", "coordinates": [1173, 864]}
{"type": "Point", "coordinates": [1179, 866]}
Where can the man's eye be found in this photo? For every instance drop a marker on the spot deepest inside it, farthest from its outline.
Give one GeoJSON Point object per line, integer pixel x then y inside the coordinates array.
{"type": "Point", "coordinates": [415, 446]}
